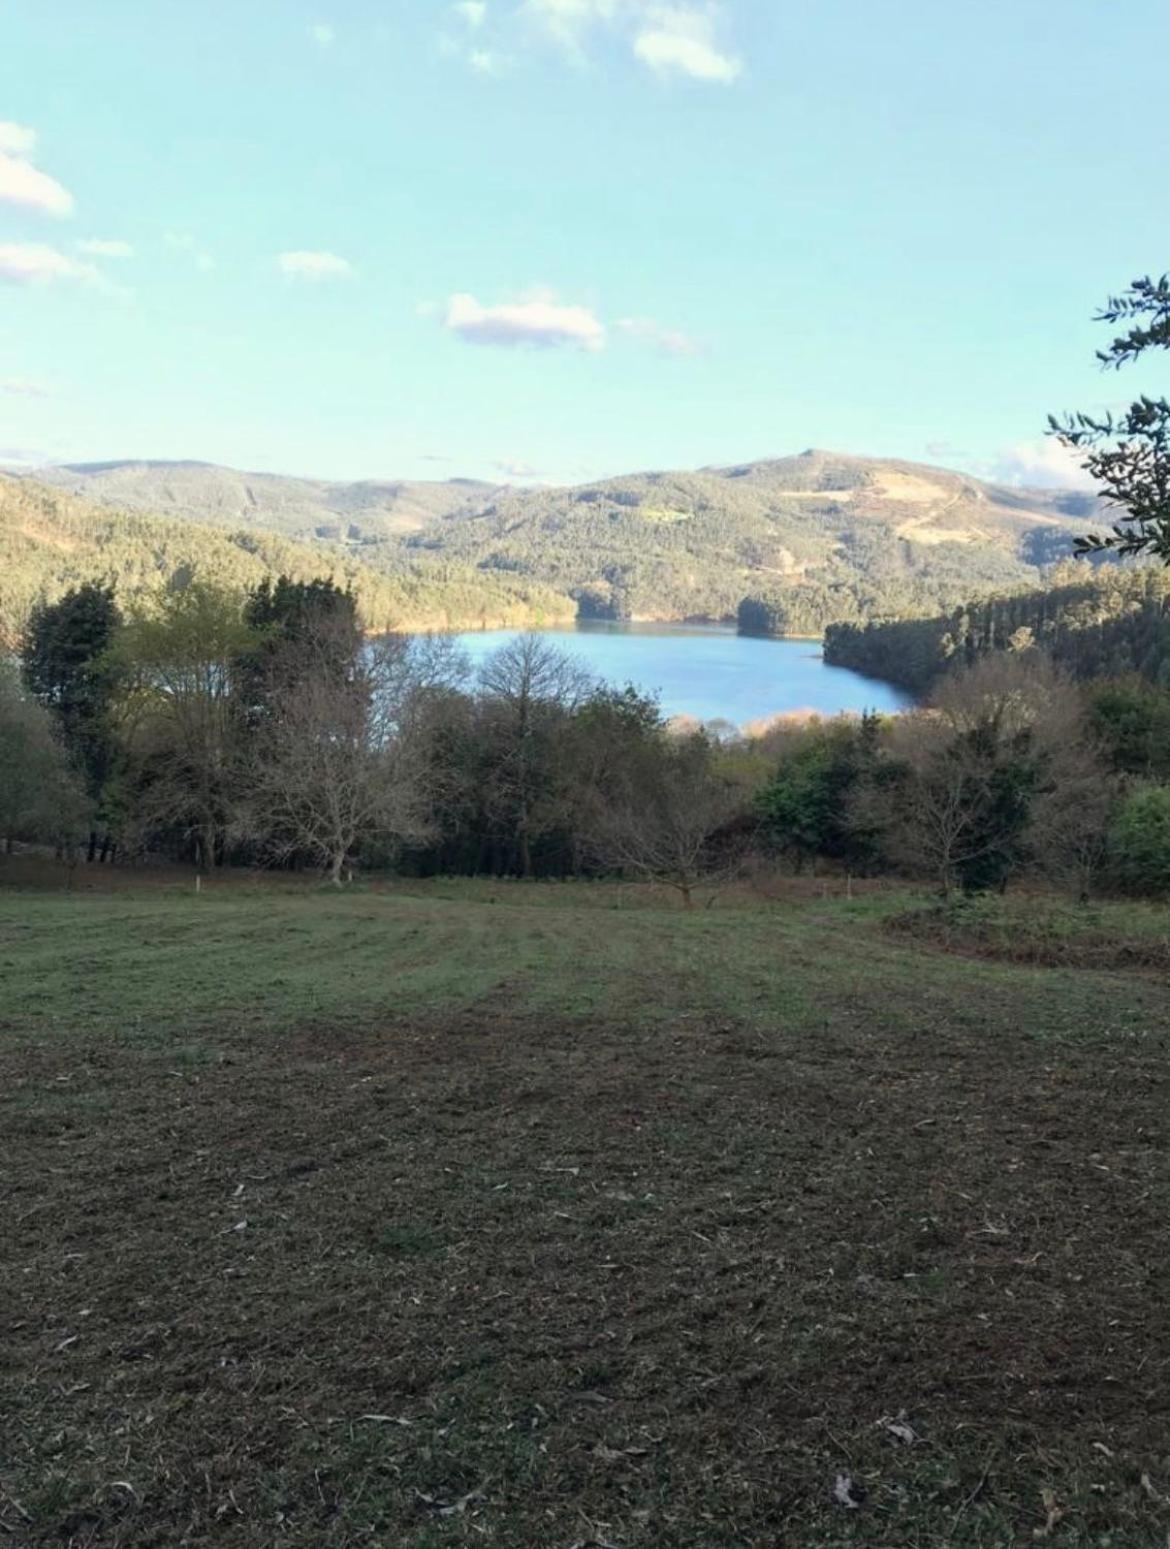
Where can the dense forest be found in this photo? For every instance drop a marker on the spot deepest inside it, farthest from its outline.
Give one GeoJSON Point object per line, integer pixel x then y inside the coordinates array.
{"type": "Point", "coordinates": [1094, 623]}
{"type": "Point", "coordinates": [784, 546]}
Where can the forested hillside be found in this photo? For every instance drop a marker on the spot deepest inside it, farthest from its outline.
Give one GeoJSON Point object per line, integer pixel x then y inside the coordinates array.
{"type": "Point", "coordinates": [1095, 623]}
{"type": "Point", "coordinates": [803, 541]}
{"type": "Point", "coordinates": [50, 541]}
{"type": "Point", "coordinates": [822, 537]}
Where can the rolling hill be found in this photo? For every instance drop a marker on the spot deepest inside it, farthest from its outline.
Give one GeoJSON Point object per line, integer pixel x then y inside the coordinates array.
{"type": "Point", "coordinates": [823, 537]}
{"type": "Point", "coordinates": [50, 541]}
{"type": "Point", "coordinates": [296, 508]}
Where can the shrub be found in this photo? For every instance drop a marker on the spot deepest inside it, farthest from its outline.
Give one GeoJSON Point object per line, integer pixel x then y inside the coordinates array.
{"type": "Point", "coordinates": [1140, 840]}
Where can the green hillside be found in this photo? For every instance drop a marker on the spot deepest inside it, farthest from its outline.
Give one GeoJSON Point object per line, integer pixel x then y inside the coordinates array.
{"type": "Point", "coordinates": [50, 541]}
{"type": "Point", "coordinates": [830, 537]}
{"type": "Point", "coordinates": [820, 538]}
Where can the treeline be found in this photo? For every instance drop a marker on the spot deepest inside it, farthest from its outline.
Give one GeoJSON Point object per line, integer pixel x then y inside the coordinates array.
{"type": "Point", "coordinates": [262, 728]}
{"type": "Point", "coordinates": [1107, 622]}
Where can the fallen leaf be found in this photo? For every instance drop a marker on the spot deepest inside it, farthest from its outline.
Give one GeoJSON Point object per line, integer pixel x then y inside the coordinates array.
{"type": "Point", "coordinates": [612, 1455]}
{"type": "Point", "coordinates": [451, 1508]}
{"type": "Point", "coordinates": [848, 1493]}
{"type": "Point", "coordinates": [899, 1428]}
{"type": "Point", "coordinates": [1054, 1515]}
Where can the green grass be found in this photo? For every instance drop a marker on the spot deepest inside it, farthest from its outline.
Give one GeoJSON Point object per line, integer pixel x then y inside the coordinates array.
{"type": "Point", "coordinates": [557, 1215]}
{"type": "Point", "coordinates": [142, 966]}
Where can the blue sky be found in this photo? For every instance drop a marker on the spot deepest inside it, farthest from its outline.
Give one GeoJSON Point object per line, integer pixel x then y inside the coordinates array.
{"type": "Point", "coordinates": [563, 238]}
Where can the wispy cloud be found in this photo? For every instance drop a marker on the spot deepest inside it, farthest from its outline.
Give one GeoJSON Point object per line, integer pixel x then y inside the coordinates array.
{"type": "Point", "coordinates": [307, 265]}
{"type": "Point", "coordinates": [681, 40]}
{"type": "Point", "coordinates": [671, 39]}
{"type": "Point", "coordinates": [17, 138]}
{"type": "Point", "coordinates": [184, 242]}
{"type": "Point", "coordinates": [667, 341]}
{"type": "Point", "coordinates": [323, 34]}
{"type": "Point", "coordinates": [1044, 464]}
{"type": "Point", "coordinates": [484, 61]}
{"type": "Point", "coordinates": [21, 387]}
{"type": "Point", "coordinates": [23, 184]}
{"type": "Point", "coordinates": [32, 263]}
{"type": "Point", "coordinates": [473, 12]}
{"type": "Point", "coordinates": [568, 22]}
{"type": "Point", "coordinates": [97, 248]}
{"type": "Point", "coordinates": [538, 321]}
{"type": "Point", "coordinates": [516, 468]}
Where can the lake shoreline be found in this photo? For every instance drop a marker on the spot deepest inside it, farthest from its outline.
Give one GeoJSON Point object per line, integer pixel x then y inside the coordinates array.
{"type": "Point", "coordinates": [709, 673]}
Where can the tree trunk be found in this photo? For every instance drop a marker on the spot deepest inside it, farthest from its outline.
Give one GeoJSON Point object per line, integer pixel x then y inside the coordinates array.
{"type": "Point", "coordinates": [92, 845]}
{"type": "Point", "coordinates": [336, 866]}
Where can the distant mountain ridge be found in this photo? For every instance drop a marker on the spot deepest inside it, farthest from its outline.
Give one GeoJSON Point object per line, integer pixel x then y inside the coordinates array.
{"type": "Point", "coordinates": [294, 507]}
{"type": "Point", "coordinates": [819, 537]}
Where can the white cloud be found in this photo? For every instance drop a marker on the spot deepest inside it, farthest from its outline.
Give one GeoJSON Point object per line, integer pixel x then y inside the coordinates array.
{"type": "Point", "coordinates": [184, 242]}
{"type": "Point", "coordinates": [29, 263]}
{"type": "Point", "coordinates": [305, 265]}
{"type": "Point", "coordinates": [568, 21]}
{"type": "Point", "coordinates": [97, 248]}
{"type": "Point", "coordinates": [22, 183]}
{"type": "Point", "coordinates": [1044, 464]}
{"type": "Point", "coordinates": [668, 38]}
{"type": "Point", "coordinates": [484, 62]}
{"type": "Point", "coordinates": [473, 12]}
{"type": "Point", "coordinates": [667, 341]}
{"type": "Point", "coordinates": [323, 35]}
{"type": "Point", "coordinates": [515, 468]}
{"type": "Point", "coordinates": [539, 321]}
{"type": "Point", "coordinates": [682, 39]}
{"type": "Point", "coordinates": [17, 138]}
{"type": "Point", "coordinates": [21, 387]}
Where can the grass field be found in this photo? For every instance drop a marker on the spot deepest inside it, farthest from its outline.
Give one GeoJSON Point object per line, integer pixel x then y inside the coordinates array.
{"type": "Point", "coordinates": [558, 1216]}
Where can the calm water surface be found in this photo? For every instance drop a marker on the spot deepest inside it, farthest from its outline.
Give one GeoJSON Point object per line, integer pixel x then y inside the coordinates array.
{"type": "Point", "coordinates": [709, 671]}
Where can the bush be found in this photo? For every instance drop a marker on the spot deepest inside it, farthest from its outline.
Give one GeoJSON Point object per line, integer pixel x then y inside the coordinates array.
{"type": "Point", "coordinates": [1140, 840]}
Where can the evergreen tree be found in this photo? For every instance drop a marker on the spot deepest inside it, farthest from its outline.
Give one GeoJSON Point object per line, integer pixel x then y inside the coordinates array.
{"type": "Point", "coordinates": [67, 667]}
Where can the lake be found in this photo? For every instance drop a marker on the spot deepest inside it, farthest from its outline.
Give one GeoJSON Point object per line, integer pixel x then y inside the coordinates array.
{"type": "Point", "coordinates": [709, 671]}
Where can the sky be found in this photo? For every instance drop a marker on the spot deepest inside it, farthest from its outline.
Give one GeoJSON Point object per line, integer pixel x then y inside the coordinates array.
{"type": "Point", "coordinates": [550, 240]}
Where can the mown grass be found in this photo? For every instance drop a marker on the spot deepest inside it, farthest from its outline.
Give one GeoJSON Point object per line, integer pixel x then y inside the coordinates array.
{"type": "Point", "coordinates": [556, 1215]}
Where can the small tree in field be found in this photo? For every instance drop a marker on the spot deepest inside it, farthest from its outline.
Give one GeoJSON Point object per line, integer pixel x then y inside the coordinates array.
{"type": "Point", "coordinates": [965, 783]}
{"type": "Point", "coordinates": [664, 823]}
{"type": "Point", "coordinates": [181, 718]}
{"type": "Point", "coordinates": [334, 764]}
{"type": "Point", "coordinates": [528, 687]}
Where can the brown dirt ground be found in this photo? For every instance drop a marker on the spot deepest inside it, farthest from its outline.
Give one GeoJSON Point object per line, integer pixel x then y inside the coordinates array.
{"type": "Point", "coordinates": [503, 1280]}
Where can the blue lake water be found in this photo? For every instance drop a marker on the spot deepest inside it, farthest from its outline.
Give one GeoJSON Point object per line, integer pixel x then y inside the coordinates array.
{"type": "Point", "coordinates": [709, 671]}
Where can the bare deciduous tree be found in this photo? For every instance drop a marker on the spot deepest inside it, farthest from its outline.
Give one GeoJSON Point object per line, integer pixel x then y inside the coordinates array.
{"type": "Point", "coordinates": [336, 764]}
{"type": "Point", "coordinates": [990, 772]}
{"type": "Point", "coordinates": [528, 684]}
{"type": "Point", "coordinates": [663, 823]}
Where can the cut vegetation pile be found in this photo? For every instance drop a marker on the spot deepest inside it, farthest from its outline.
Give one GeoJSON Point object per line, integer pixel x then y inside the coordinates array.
{"type": "Point", "coordinates": [497, 1214]}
